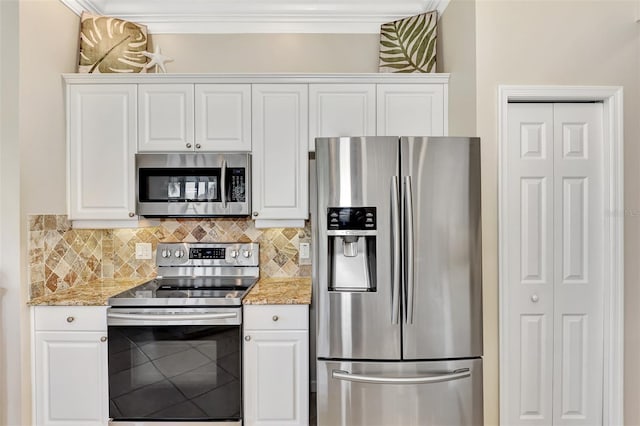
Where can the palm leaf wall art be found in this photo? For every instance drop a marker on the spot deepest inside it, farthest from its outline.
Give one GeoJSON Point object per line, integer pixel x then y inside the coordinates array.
{"type": "Point", "coordinates": [111, 45]}
{"type": "Point", "coordinates": [409, 45]}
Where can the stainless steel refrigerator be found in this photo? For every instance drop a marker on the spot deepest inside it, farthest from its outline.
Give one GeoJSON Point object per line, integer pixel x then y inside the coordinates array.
{"type": "Point", "coordinates": [399, 281]}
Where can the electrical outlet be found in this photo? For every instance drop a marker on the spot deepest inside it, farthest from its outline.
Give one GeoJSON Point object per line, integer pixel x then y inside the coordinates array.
{"type": "Point", "coordinates": [304, 253]}
{"type": "Point", "coordinates": [143, 251]}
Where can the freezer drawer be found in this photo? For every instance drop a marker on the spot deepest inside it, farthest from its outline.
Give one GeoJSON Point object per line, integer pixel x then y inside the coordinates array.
{"type": "Point", "coordinates": [428, 393]}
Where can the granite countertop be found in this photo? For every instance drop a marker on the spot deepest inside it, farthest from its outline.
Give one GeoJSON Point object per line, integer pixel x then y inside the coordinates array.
{"type": "Point", "coordinates": [94, 293]}
{"type": "Point", "coordinates": [280, 291]}
{"type": "Point", "coordinates": [267, 291]}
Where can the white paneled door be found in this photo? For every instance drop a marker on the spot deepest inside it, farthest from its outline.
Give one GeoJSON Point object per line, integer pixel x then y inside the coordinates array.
{"type": "Point", "coordinates": [555, 226]}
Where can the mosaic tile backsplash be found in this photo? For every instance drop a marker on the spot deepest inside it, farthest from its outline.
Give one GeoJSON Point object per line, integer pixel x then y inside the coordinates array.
{"type": "Point", "coordinates": [61, 257]}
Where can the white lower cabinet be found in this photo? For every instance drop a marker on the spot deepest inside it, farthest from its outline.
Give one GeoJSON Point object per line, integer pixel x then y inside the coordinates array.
{"type": "Point", "coordinates": [276, 365]}
{"type": "Point", "coordinates": [70, 366]}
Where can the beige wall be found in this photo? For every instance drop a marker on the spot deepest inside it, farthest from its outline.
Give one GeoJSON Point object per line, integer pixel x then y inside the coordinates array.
{"type": "Point", "coordinates": [12, 330]}
{"type": "Point", "coordinates": [457, 56]}
{"type": "Point", "coordinates": [570, 43]}
{"type": "Point", "coordinates": [244, 53]}
{"type": "Point", "coordinates": [48, 47]}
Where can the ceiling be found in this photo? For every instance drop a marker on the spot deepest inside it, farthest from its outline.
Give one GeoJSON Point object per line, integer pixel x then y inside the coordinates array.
{"type": "Point", "coordinates": [258, 16]}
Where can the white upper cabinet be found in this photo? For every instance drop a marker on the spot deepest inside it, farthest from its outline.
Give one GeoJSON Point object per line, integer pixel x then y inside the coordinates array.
{"type": "Point", "coordinates": [275, 117]}
{"type": "Point", "coordinates": [280, 158]}
{"type": "Point", "coordinates": [166, 117]}
{"type": "Point", "coordinates": [341, 110]}
{"type": "Point", "coordinates": [188, 117]}
{"type": "Point", "coordinates": [223, 117]}
{"type": "Point", "coordinates": [101, 130]}
{"type": "Point", "coordinates": [411, 110]}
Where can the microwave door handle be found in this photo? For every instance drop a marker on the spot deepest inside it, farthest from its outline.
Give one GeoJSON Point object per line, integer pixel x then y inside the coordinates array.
{"type": "Point", "coordinates": [223, 184]}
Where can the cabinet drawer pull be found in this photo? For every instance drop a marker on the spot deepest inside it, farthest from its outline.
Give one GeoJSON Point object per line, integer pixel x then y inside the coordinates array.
{"type": "Point", "coordinates": [103, 339]}
{"type": "Point", "coordinates": [70, 319]}
{"type": "Point", "coordinates": [275, 318]}
{"type": "Point", "coordinates": [247, 338]}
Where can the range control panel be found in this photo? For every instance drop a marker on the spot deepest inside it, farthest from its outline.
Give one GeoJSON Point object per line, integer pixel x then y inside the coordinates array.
{"type": "Point", "coordinates": [207, 254]}
{"type": "Point", "coordinates": [351, 218]}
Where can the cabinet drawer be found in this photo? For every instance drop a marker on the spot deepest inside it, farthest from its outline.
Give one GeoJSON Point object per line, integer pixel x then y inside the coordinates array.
{"type": "Point", "coordinates": [78, 318]}
{"type": "Point", "coordinates": [276, 317]}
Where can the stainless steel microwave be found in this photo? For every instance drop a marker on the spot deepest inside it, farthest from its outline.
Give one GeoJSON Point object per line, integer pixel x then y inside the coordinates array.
{"type": "Point", "coordinates": [193, 184]}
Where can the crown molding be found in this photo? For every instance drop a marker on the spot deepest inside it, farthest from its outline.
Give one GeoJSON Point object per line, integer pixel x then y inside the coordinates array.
{"type": "Point", "coordinates": [258, 16]}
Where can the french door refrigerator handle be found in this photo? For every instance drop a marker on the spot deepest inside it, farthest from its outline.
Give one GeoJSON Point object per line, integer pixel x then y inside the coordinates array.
{"type": "Point", "coordinates": [223, 184]}
{"type": "Point", "coordinates": [415, 380]}
{"type": "Point", "coordinates": [408, 235]}
{"type": "Point", "coordinates": [395, 249]}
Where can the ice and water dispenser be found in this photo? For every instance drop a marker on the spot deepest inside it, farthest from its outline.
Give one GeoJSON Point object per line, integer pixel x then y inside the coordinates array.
{"type": "Point", "coordinates": [351, 233]}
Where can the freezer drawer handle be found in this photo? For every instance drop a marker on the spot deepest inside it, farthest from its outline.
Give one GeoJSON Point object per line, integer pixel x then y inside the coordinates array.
{"type": "Point", "coordinates": [454, 375]}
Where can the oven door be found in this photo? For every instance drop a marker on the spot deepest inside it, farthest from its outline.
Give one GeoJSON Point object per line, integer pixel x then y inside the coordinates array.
{"type": "Point", "coordinates": [193, 184]}
{"type": "Point", "coordinates": [174, 365]}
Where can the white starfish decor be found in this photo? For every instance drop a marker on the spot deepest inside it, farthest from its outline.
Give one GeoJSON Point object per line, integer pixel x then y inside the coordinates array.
{"type": "Point", "coordinates": [157, 59]}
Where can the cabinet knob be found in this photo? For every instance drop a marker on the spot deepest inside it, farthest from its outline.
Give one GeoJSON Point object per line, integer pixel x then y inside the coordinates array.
{"type": "Point", "coordinates": [255, 213]}
{"type": "Point", "coordinates": [131, 214]}
{"type": "Point", "coordinates": [247, 338]}
{"type": "Point", "coordinates": [103, 339]}
{"type": "Point", "coordinates": [534, 298]}
{"type": "Point", "coordinates": [70, 319]}
{"type": "Point", "coordinates": [188, 145]}
{"type": "Point", "coordinates": [275, 318]}
{"type": "Point", "coordinates": [198, 146]}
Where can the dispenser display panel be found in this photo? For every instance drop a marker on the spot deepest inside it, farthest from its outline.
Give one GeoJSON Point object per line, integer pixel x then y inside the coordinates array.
{"type": "Point", "coordinates": [351, 218]}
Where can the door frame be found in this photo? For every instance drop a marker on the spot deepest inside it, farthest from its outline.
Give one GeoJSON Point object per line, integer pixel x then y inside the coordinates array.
{"type": "Point", "coordinates": [613, 238]}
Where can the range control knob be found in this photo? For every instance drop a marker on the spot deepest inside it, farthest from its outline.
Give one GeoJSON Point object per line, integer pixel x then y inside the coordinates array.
{"type": "Point", "coordinates": [233, 253]}
{"type": "Point", "coordinates": [166, 253]}
{"type": "Point", "coordinates": [246, 253]}
{"type": "Point", "coordinates": [179, 253]}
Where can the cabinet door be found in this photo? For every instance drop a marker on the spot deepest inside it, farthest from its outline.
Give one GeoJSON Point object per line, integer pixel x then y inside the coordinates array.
{"type": "Point", "coordinates": [71, 378]}
{"type": "Point", "coordinates": [280, 157]}
{"type": "Point", "coordinates": [341, 110]}
{"type": "Point", "coordinates": [223, 117]}
{"type": "Point", "coordinates": [411, 110]}
{"type": "Point", "coordinates": [101, 147]}
{"type": "Point", "coordinates": [166, 117]}
{"type": "Point", "coordinates": [276, 382]}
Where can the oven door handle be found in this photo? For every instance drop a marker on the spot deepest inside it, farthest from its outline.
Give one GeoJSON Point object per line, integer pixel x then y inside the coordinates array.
{"type": "Point", "coordinates": [173, 317]}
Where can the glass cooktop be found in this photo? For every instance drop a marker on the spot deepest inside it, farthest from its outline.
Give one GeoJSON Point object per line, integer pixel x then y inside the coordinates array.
{"type": "Point", "coordinates": [191, 291]}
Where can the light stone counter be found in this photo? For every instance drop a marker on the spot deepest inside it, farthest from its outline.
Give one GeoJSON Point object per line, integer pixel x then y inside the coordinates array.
{"type": "Point", "coordinates": [94, 293]}
{"type": "Point", "coordinates": [267, 291]}
{"type": "Point", "coordinates": [280, 291]}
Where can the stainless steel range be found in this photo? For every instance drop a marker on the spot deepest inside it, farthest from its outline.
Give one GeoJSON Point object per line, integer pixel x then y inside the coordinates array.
{"type": "Point", "coordinates": [175, 341]}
